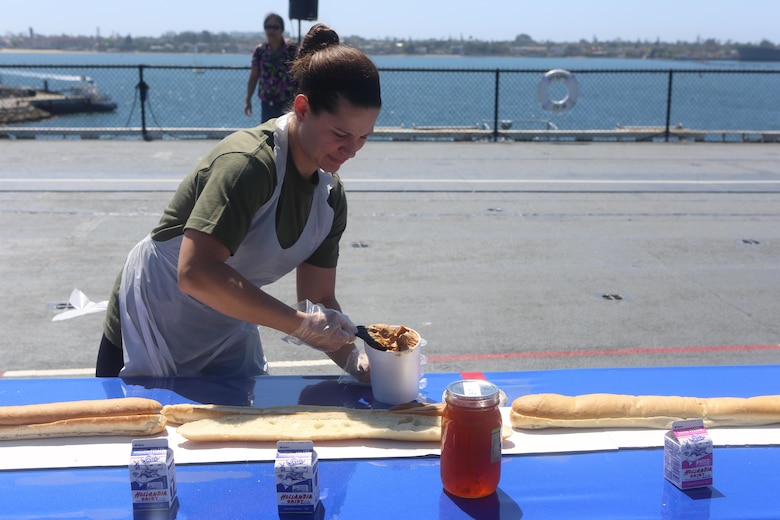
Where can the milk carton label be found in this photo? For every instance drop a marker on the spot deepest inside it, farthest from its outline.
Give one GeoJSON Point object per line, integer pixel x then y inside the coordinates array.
{"type": "Point", "coordinates": [152, 474]}
{"type": "Point", "coordinates": [297, 477]}
{"type": "Point", "coordinates": [688, 454]}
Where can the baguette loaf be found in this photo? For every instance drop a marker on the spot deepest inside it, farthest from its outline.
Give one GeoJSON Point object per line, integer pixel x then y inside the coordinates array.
{"type": "Point", "coordinates": [130, 425]}
{"type": "Point", "coordinates": [316, 426]}
{"type": "Point", "coordinates": [184, 413]}
{"type": "Point", "coordinates": [536, 411]}
{"type": "Point", "coordinates": [51, 412]}
{"type": "Point", "coordinates": [315, 423]}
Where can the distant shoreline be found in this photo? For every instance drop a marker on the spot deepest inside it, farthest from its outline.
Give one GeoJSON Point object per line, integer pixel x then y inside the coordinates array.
{"type": "Point", "coordinates": [45, 51]}
{"type": "Point", "coordinates": [59, 51]}
{"type": "Point", "coordinates": [682, 58]}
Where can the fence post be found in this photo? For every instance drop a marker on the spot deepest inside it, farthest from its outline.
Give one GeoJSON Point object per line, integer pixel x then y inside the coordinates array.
{"type": "Point", "coordinates": [143, 90]}
{"type": "Point", "coordinates": [495, 107]}
{"type": "Point", "coordinates": [668, 104]}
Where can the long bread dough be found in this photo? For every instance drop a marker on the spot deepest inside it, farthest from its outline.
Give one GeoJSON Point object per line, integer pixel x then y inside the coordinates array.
{"type": "Point", "coordinates": [315, 426]}
{"type": "Point", "coordinates": [184, 413]}
{"type": "Point", "coordinates": [536, 411]}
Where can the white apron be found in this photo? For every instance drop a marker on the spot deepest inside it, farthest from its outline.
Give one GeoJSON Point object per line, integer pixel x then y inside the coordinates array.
{"type": "Point", "coordinates": [168, 333]}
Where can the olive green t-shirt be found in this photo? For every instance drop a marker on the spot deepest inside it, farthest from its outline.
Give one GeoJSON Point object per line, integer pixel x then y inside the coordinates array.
{"type": "Point", "coordinates": [222, 194]}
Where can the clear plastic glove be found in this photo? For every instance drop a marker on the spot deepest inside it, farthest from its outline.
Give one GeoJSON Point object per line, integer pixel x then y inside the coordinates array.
{"type": "Point", "coordinates": [323, 329]}
{"type": "Point", "coordinates": [356, 368]}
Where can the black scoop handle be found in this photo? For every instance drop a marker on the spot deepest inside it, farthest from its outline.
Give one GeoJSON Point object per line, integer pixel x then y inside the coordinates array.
{"type": "Point", "coordinates": [362, 333]}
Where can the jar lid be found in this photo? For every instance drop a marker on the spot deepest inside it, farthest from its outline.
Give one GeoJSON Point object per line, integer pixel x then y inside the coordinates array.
{"type": "Point", "coordinates": [473, 391]}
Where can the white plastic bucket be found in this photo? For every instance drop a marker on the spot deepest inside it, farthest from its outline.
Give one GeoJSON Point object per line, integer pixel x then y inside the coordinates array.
{"type": "Point", "coordinates": [395, 376]}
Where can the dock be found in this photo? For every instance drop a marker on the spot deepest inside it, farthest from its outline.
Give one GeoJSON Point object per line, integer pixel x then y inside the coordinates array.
{"type": "Point", "coordinates": [15, 106]}
{"type": "Point", "coordinates": [19, 105]}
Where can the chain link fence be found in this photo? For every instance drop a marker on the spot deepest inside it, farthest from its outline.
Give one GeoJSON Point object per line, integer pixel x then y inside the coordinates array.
{"type": "Point", "coordinates": [159, 102]}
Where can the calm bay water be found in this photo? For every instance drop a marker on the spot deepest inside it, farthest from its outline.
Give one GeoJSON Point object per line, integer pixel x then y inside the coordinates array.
{"type": "Point", "coordinates": [475, 62]}
{"type": "Point", "coordinates": [453, 91]}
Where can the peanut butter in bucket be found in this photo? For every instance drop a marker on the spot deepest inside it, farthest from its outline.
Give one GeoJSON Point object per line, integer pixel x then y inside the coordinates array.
{"type": "Point", "coordinates": [395, 364]}
{"type": "Point", "coordinates": [392, 338]}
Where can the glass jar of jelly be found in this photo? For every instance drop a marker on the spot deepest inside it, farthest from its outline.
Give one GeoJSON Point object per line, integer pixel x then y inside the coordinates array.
{"type": "Point", "coordinates": [471, 439]}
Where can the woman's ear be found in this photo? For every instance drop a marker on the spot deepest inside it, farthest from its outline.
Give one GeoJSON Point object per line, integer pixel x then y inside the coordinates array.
{"type": "Point", "coordinates": [301, 107]}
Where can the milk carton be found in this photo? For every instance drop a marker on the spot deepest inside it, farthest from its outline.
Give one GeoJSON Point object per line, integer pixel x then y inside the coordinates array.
{"type": "Point", "coordinates": [297, 477]}
{"type": "Point", "coordinates": [152, 475]}
{"type": "Point", "coordinates": [688, 454]}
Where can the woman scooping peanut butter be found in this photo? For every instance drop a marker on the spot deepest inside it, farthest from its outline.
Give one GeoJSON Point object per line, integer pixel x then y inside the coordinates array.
{"type": "Point", "coordinates": [264, 202]}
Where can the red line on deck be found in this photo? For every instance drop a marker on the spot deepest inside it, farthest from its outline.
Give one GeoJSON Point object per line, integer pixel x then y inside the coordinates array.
{"type": "Point", "coordinates": [606, 352]}
{"type": "Point", "coordinates": [473, 375]}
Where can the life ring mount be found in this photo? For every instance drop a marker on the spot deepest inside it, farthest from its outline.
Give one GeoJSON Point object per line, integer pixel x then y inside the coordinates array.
{"type": "Point", "coordinates": [572, 90]}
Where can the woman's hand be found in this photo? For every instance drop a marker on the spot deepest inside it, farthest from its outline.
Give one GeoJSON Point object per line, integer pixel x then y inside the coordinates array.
{"type": "Point", "coordinates": [356, 365]}
{"type": "Point", "coordinates": [324, 329]}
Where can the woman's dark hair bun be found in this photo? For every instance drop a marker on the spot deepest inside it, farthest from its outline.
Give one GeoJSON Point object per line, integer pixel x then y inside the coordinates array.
{"type": "Point", "coordinates": [319, 37]}
{"type": "Point", "coordinates": [327, 72]}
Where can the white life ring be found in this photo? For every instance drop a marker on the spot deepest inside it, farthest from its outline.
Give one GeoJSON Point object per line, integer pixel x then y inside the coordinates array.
{"type": "Point", "coordinates": [572, 91]}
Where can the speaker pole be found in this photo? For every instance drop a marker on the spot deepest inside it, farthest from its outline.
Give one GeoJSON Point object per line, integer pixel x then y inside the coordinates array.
{"type": "Point", "coordinates": [299, 32]}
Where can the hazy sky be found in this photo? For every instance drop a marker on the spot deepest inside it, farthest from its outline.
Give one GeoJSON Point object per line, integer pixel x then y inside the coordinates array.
{"type": "Point", "coordinates": [742, 21]}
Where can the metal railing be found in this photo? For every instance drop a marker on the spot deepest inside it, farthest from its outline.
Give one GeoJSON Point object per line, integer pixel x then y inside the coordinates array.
{"type": "Point", "coordinates": [159, 102]}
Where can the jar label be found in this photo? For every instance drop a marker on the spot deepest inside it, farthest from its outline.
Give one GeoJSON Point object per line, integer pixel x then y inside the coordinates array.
{"type": "Point", "coordinates": [495, 446]}
{"type": "Point", "coordinates": [472, 389]}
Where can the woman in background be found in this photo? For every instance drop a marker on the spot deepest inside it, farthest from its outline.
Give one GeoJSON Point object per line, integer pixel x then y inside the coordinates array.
{"type": "Point", "coordinates": [270, 72]}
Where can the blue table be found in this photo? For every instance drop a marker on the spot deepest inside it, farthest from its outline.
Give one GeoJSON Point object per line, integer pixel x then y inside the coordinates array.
{"type": "Point", "coordinates": [623, 484]}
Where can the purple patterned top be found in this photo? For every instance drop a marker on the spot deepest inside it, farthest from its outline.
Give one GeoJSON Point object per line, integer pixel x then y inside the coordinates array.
{"type": "Point", "coordinates": [275, 82]}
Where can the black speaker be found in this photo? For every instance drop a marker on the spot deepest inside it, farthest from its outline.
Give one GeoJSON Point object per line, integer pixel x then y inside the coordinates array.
{"type": "Point", "coordinates": [303, 9]}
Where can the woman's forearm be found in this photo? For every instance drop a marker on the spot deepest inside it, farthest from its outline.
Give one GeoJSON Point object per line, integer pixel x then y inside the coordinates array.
{"type": "Point", "coordinates": [252, 83]}
{"type": "Point", "coordinates": [223, 289]}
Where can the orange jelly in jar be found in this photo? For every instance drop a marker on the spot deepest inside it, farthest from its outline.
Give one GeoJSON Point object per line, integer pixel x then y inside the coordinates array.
{"type": "Point", "coordinates": [471, 439]}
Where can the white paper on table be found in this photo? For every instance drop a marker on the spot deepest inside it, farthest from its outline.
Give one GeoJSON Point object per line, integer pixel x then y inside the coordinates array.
{"type": "Point", "coordinates": [81, 306]}
{"type": "Point", "coordinates": [74, 452]}
{"type": "Point", "coordinates": [80, 452]}
{"type": "Point", "coordinates": [721, 437]}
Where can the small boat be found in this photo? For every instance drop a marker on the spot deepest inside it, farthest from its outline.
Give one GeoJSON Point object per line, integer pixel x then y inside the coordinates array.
{"type": "Point", "coordinates": [756, 53]}
{"type": "Point", "coordinates": [73, 100]}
